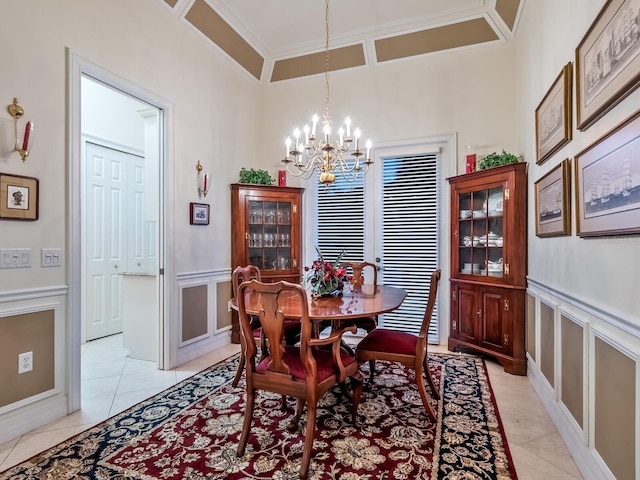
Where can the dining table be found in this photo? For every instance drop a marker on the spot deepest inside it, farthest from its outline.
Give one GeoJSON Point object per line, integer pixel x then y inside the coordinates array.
{"type": "Point", "coordinates": [364, 301]}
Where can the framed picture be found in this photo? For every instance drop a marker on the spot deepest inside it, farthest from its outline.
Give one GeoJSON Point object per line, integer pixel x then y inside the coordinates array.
{"type": "Point", "coordinates": [198, 213]}
{"type": "Point", "coordinates": [553, 116]}
{"type": "Point", "coordinates": [608, 182]}
{"type": "Point", "coordinates": [18, 197]}
{"type": "Point", "coordinates": [553, 204]}
{"type": "Point", "coordinates": [607, 60]}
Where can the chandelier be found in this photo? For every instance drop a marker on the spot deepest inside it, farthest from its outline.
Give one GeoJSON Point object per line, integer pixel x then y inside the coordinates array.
{"type": "Point", "coordinates": [324, 154]}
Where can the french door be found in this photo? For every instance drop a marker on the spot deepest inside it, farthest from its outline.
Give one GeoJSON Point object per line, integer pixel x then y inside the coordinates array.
{"type": "Point", "coordinates": [389, 218]}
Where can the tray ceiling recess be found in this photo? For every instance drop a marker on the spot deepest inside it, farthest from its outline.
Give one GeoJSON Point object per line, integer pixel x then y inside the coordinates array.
{"type": "Point", "coordinates": [276, 40]}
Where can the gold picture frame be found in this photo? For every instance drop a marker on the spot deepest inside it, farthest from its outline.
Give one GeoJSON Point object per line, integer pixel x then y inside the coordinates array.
{"type": "Point", "coordinates": [608, 182]}
{"type": "Point", "coordinates": [553, 116]}
{"type": "Point", "coordinates": [18, 197]}
{"type": "Point", "coordinates": [553, 201]}
{"type": "Point", "coordinates": [607, 61]}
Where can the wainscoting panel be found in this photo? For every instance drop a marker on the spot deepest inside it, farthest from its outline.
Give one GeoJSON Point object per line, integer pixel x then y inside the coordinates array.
{"type": "Point", "coordinates": [615, 422]}
{"type": "Point", "coordinates": [223, 295]}
{"type": "Point", "coordinates": [27, 332]}
{"type": "Point", "coordinates": [530, 314]}
{"type": "Point", "coordinates": [547, 342]}
{"type": "Point", "coordinates": [573, 391]}
{"type": "Point", "coordinates": [32, 320]}
{"type": "Point", "coordinates": [194, 312]}
{"type": "Point", "coordinates": [205, 322]}
{"type": "Point", "coordinates": [595, 403]}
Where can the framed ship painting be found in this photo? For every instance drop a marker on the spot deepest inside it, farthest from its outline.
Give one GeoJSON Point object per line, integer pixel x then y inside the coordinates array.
{"type": "Point", "coordinates": [553, 116]}
{"type": "Point", "coordinates": [608, 61]}
{"type": "Point", "coordinates": [608, 182]}
{"type": "Point", "coordinates": [553, 204]}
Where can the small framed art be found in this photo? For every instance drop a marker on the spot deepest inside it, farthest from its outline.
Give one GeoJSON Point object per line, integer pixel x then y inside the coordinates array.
{"type": "Point", "coordinates": [198, 213]}
{"type": "Point", "coordinates": [553, 204]}
{"type": "Point", "coordinates": [18, 197]}
{"type": "Point", "coordinates": [607, 61]}
{"type": "Point", "coordinates": [553, 116]}
{"type": "Point", "coordinates": [608, 182]}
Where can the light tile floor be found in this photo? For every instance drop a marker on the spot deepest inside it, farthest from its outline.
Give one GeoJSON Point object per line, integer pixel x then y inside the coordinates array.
{"type": "Point", "coordinates": [113, 382]}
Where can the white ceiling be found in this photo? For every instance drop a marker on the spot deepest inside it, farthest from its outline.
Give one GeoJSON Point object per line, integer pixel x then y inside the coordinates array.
{"type": "Point", "coordinates": [282, 28]}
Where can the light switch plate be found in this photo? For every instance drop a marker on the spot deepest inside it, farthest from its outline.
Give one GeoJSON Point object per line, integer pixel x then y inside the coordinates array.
{"type": "Point", "coordinates": [15, 258]}
{"type": "Point", "coordinates": [51, 257]}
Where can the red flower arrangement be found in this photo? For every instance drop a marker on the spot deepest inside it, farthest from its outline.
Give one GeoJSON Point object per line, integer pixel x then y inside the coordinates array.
{"type": "Point", "coordinates": [325, 277]}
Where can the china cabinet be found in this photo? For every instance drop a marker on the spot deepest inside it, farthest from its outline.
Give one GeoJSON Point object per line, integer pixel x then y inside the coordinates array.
{"type": "Point", "coordinates": [266, 232]}
{"type": "Point", "coordinates": [488, 264]}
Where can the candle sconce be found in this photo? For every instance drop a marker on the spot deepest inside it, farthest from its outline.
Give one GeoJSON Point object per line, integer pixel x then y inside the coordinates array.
{"type": "Point", "coordinates": [16, 111]}
{"type": "Point", "coordinates": [203, 180]}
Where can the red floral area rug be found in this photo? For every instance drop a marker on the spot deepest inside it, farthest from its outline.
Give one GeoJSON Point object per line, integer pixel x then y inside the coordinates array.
{"type": "Point", "coordinates": [191, 432]}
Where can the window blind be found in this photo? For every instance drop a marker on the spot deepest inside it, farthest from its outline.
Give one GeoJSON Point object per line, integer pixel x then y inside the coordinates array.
{"type": "Point", "coordinates": [340, 219]}
{"type": "Point", "coordinates": [409, 233]}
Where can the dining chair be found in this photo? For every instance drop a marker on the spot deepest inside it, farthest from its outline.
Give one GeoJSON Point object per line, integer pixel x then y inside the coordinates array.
{"type": "Point", "coordinates": [238, 276]}
{"type": "Point", "coordinates": [408, 349]}
{"type": "Point", "coordinates": [292, 327]}
{"type": "Point", "coordinates": [305, 371]}
{"type": "Point", "coordinates": [370, 322]}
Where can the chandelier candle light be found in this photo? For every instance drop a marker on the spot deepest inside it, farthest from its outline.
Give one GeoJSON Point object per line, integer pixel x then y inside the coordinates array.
{"type": "Point", "coordinates": [325, 155]}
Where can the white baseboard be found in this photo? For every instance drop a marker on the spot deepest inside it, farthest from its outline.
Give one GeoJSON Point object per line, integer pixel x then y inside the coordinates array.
{"type": "Point", "coordinates": [21, 421]}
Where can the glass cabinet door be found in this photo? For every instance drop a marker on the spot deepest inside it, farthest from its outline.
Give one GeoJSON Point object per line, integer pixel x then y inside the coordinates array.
{"type": "Point", "coordinates": [480, 227]}
{"type": "Point", "coordinates": [269, 235]}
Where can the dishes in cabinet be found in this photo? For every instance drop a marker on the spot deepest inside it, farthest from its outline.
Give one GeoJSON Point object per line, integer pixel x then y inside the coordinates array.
{"type": "Point", "coordinates": [495, 213]}
{"type": "Point", "coordinates": [499, 242]}
{"type": "Point", "coordinates": [479, 213]}
{"type": "Point", "coordinates": [492, 239]}
{"type": "Point", "coordinates": [471, 266]}
{"type": "Point", "coordinates": [494, 203]}
{"type": "Point", "coordinates": [465, 214]}
{"type": "Point", "coordinates": [494, 266]}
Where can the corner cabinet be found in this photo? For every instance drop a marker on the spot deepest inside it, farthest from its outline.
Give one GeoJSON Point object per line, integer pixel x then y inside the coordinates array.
{"type": "Point", "coordinates": [488, 264]}
{"type": "Point", "coordinates": [266, 232]}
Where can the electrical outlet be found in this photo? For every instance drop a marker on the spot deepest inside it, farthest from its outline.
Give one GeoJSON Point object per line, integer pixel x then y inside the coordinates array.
{"type": "Point", "coordinates": [25, 362]}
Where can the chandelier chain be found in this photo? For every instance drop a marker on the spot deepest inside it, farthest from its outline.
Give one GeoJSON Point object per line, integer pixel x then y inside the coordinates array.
{"type": "Point", "coordinates": [326, 61]}
{"type": "Point", "coordinates": [311, 151]}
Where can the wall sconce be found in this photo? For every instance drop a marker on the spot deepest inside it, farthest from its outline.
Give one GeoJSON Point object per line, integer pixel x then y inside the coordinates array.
{"type": "Point", "coordinates": [203, 180]}
{"type": "Point", "coordinates": [16, 111]}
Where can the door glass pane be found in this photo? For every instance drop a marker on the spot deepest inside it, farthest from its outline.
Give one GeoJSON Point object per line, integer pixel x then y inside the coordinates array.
{"type": "Point", "coordinates": [410, 236]}
{"type": "Point", "coordinates": [340, 220]}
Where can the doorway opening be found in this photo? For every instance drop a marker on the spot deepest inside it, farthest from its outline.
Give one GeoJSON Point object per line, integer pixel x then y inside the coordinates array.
{"type": "Point", "coordinates": [116, 204]}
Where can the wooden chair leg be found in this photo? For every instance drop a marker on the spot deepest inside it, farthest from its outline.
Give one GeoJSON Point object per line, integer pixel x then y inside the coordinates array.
{"type": "Point", "coordinates": [246, 426]}
{"type": "Point", "coordinates": [372, 370]}
{"type": "Point", "coordinates": [236, 379]}
{"type": "Point", "coordinates": [293, 425]}
{"type": "Point", "coordinates": [308, 440]}
{"type": "Point", "coordinates": [357, 391]}
{"type": "Point", "coordinates": [423, 394]}
{"type": "Point", "coordinates": [436, 393]}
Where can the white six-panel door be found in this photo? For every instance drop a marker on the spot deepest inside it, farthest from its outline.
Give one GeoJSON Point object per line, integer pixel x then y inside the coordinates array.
{"type": "Point", "coordinates": [114, 220]}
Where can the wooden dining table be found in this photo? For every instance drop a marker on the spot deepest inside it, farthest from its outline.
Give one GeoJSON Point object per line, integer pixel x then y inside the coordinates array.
{"type": "Point", "coordinates": [363, 302]}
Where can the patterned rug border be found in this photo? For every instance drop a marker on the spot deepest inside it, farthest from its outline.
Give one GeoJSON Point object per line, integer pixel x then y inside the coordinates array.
{"type": "Point", "coordinates": [210, 380]}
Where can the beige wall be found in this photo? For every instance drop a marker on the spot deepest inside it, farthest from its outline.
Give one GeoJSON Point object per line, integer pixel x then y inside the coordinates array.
{"type": "Point", "coordinates": [214, 113]}
{"type": "Point", "coordinates": [587, 310]}
{"type": "Point", "coordinates": [486, 95]}
{"type": "Point", "coordinates": [469, 92]}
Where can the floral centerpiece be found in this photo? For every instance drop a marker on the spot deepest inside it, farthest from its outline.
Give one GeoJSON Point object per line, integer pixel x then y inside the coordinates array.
{"type": "Point", "coordinates": [324, 277]}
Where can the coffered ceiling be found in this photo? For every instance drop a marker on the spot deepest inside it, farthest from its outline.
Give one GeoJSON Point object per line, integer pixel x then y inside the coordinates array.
{"type": "Point", "coordinates": [276, 40]}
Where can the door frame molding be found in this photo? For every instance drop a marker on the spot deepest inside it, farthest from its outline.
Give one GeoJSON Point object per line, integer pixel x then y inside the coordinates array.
{"type": "Point", "coordinates": [77, 66]}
